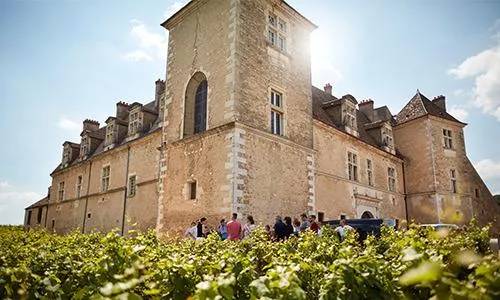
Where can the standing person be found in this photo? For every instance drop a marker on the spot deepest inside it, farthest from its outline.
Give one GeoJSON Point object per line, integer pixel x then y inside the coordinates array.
{"type": "Point", "coordinates": [305, 223]}
{"type": "Point", "coordinates": [314, 225]}
{"type": "Point", "coordinates": [191, 231]}
{"type": "Point", "coordinates": [249, 226]}
{"type": "Point", "coordinates": [222, 230]}
{"type": "Point", "coordinates": [279, 229]}
{"type": "Point", "coordinates": [234, 228]}
{"type": "Point", "coordinates": [343, 229]}
{"type": "Point", "coordinates": [289, 227]}
{"type": "Point", "coordinates": [296, 226]}
{"type": "Point", "coordinates": [200, 228]}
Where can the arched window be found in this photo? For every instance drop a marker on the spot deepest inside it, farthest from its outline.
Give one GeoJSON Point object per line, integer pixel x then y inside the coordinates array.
{"type": "Point", "coordinates": [195, 105]}
{"type": "Point", "coordinates": [200, 108]}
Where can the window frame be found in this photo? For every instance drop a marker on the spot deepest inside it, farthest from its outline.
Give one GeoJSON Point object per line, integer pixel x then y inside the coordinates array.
{"type": "Point", "coordinates": [105, 175]}
{"type": "Point", "coordinates": [60, 191]}
{"type": "Point", "coordinates": [277, 32]}
{"type": "Point", "coordinates": [200, 113]}
{"type": "Point", "coordinates": [79, 184]}
{"type": "Point", "coordinates": [277, 112]}
{"type": "Point", "coordinates": [447, 138]}
{"type": "Point", "coordinates": [352, 166]}
{"type": "Point", "coordinates": [193, 190]}
{"type": "Point", "coordinates": [132, 185]}
{"type": "Point", "coordinates": [391, 179]}
{"type": "Point", "coordinates": [453, 181]}
{"type": "Point", "coordinates": [369, 172]}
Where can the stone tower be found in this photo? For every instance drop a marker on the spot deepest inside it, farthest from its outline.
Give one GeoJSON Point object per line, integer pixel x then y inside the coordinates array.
{"type": "Point", "coordinates": [238, 131]}
{"type": "Point", "coordinates": [442, 184]}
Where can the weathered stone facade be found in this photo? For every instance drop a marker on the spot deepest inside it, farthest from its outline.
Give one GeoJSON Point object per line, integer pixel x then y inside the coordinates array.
{"type": "Point", "coordinates": [237, 127]}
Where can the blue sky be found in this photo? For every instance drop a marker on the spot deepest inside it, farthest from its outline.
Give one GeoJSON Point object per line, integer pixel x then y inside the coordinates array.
{"type": "Point", "coordinates": [65, 61]}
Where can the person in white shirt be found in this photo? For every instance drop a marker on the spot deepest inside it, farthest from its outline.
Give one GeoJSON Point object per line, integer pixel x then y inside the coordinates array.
{"type": "Point", "coordinates": [249, 226]}
{"type": "Point", "coordinates": [191, 231]}
{"type": "Point", "coordinates": [342, 229]}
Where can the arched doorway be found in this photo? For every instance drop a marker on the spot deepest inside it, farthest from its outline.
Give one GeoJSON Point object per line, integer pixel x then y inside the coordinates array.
{"type": "Point", "coordinates": [367, 215]}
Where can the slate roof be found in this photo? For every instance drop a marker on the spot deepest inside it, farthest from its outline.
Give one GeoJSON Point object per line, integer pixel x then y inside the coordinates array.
{"type": "Point", "coordinates": [101, 134]}
{"type": "Point", "coordinates": [322, 99]}
{"type": "Point", "coordinates": [42, 202]}
{"type": "Point", "coordinates": [420, 106]}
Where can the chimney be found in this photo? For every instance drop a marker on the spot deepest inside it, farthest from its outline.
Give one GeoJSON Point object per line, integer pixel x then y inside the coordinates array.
{"type": "Point", "coordinates": [121, 110]}
{"type": "Point", "coordinates": [366, 107]}
{"type": "Point", "coordinates": [90, 125]}
{"type": "Point", "coordinates": [328, 88]}
{"type": "Point", "coordinates": [440, 101]}
{"type": "Point", "coordinates": [159, 90]}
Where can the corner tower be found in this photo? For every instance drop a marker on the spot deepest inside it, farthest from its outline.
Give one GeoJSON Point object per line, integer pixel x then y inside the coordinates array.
{"type": "Point", "coordinates": [237, 133]}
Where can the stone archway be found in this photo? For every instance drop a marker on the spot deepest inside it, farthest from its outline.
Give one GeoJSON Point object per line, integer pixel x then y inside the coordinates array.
{"type": "Point", "coordinates": [367, 215]}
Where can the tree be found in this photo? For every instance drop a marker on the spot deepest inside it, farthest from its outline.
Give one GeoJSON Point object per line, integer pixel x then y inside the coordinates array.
{"type": "Point", "coordinates": [497, 199]}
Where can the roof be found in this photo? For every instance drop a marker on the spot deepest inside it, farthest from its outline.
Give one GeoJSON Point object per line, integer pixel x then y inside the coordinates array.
{"type": "Point", "coordinates": [101, 133]}
{"type": "Point", "coordinates": [322, 99]}
{"type": "Point", "coordinates": [419, 106]}
{"type": "Point", "coordinates": [42, 202]}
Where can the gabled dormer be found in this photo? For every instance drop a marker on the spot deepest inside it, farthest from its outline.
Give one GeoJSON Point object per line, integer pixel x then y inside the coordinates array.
{"type": "Point", "coordinates": [70, 153]}
{"type": "Point", "coordinates": [141, 119]}
{"type": "Point", "coordinates": [116, 131]}
{"type": "Point", "coordinates": [348, 110]}
{"type": "Point", "coordinates": [91, 136]}
{"type": "Point", "coordinates": [378, 125]}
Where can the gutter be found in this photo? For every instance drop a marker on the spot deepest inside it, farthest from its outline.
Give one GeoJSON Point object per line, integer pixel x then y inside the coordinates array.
{"type": "Point", "coordinates": [125, 191]}
{"type": "Point", "coordinates": [87, 198]}
{"type": "Point", "coordinates": [405, 195]}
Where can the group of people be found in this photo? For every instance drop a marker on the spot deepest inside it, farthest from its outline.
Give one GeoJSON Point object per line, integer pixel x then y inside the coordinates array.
{"type": "Point", "coordinates": [282, 229]}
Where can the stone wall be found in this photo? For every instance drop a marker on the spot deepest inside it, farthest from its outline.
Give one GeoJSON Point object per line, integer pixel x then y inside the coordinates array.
{"type": "Point", "coordinates": [336, 194]}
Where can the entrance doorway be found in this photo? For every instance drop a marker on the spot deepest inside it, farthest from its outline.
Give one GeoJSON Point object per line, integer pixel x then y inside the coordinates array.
{"type": "Point", "coordinates": [367, 215]}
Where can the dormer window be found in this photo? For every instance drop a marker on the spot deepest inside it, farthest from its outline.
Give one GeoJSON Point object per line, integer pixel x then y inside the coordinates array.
{"type": "Point", "coordinates": [350, 115]}
{"type": "Point", "coordinates": [387, 139]}
{"type": "Point", "coordinates": [110, 132]}
{"type": "Point", "coordinates": [84, 147]}
{"type": "Point", "coordinates": [66, 155]}
{"type": "Point", "coordinates": [134, 122]}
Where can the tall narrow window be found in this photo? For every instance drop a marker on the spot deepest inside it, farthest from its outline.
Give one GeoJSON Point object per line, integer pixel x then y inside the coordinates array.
{"type": "Point", "coordinates": [79, 181]}
{"type": "Point", "coordinates": [369, 172]}
{"type": "Point", "coordinates": [28, 221]}
{"type": "Point", "coordinates": [84, 146]}
{"type": "Point", "coordinates": [447, 139]}
{"type": "Point", "coordinates": [453, 176]}
{"type": "Point", "coordinates": [110, 133]}
{"type": "Point", "coordinates": [352, 163]}
{"type": "Point", "coordinates": [276, 112]}
{"type": "Point", "coordinates": [60, 192]}
{"type": "Point", "coordinates": [131, 185]}
{"type": "Point", "coordinates": [477, 193]}
{"type": "Point", "coordinates": [192, 190]}
{"type": "Point", "coordinates": [350, 116]}
{"type": "Point", "coordinates": [200, 108]}
{"type": "Point", "coordinates": [105, 179]}
{"type": "Point", "coordinates": [39, 215]}
{"type": "Point", "coordinates": [391, 179]}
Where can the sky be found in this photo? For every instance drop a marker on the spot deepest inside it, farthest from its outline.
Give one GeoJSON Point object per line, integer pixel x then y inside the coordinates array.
{"type": "Point", "coordinates": [63, 61]}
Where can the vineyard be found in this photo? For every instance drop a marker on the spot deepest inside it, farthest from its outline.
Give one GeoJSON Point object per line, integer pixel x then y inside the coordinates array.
{"type": "Point", "coordinates": [414, 264]}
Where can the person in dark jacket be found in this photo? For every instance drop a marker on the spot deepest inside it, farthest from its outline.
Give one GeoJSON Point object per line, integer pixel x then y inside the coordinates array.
{"type": "Point", "coordinates": [280, 229]}
{"type": "Point", "coordinates": [289, 227]}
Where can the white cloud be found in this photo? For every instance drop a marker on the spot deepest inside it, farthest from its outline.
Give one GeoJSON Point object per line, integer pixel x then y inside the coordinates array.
{"type": "Point", "coordinates": [150, 45]}
{"type": "Point", "coordinates": [68, 124]}
{"type": "Point", "coordinates": [484, 67]}
{"type": "Point", "coordinates": [488, 169]}
{"type": "Point", "coordinates": [172, 9]}
{"type": "Point", "coordinates": [458, 112]}
{"type": "Point", "coordinates": [13, 201]}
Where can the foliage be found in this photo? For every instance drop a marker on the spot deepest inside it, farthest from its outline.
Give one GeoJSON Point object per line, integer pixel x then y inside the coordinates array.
{"type": "Point", "coordinates": [497, 199]}
{"type": "Point", "coordinates": [417, 263]}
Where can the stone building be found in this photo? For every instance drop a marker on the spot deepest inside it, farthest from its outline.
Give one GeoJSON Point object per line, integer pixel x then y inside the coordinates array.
{"type": "Point", "coordinates": [237, 127]}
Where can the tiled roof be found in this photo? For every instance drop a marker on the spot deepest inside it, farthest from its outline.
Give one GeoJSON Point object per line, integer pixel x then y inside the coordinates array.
{"type": "Point", "coordinates": [42, 202]}
{"type": "Point", "coordinates": [420, 106]}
